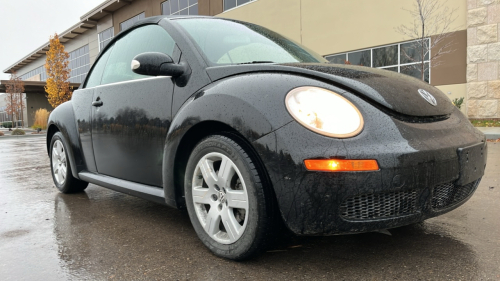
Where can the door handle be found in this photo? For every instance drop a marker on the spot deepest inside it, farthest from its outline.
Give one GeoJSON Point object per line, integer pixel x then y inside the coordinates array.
{"type": "Point", "coordinates": [97, 103]}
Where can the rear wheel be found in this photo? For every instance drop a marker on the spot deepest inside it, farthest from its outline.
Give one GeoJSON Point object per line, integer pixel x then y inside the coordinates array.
{"type": "Point", "coordinates": [61, 169]}
{"type": "Point", "coordinates": [227, 203]}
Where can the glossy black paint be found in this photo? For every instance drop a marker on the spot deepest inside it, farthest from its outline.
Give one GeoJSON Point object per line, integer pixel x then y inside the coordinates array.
{"type": "Point", "coordinates": [159, 64]}
{"type": "Point", "coordinates": [411, 157]}
{"type": "Point", "coordinates": [131, 124]}
{"type": "Point", "coordinates": [62, 119]}
{"type": "Point", "coordinates": [151, 63]}
{"type": "Point", "coordinates": [416, 144]}
{"type": "Point", "coordinates": [393, 92]}
{"type": "Point", "coordinates": [83, 116]}
{"type": "Point", "coordinates": [236, 102]}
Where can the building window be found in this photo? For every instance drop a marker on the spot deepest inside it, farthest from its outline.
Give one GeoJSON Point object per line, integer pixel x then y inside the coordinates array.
{"type": "Point", "coordinates": [179, 7]}
{"type": "Point", "coordinates": [39, 70]}
{"type": "Point", "coordinates": [230, 4]}
{"type": "Point", "coordinates": [403, 57]}
{"type": "Point", "coordinates": [128, 23]}
{"type": "Point", "coordinates": [105, 36]}
{"type": "Point", "coordinates": [79, 64]}
{"type": "Point", "coordinates": [3, 114]}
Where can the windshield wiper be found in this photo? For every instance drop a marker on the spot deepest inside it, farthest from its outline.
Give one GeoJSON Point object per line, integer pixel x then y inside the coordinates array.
{"type": "Point", "coordinates": [257, 61]}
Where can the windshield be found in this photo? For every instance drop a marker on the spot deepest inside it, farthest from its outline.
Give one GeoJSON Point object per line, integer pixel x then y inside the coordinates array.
{"type": "Point", "coordinates": [231, 42]}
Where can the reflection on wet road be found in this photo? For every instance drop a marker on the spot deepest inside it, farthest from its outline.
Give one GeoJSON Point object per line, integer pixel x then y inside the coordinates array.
{"type": "Point", "coordinates": [102, 234]}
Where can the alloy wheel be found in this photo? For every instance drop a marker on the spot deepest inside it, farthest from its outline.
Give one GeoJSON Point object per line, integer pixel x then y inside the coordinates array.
{"type": "Point", "coordinates": [220, 198]}
{"type": "Point", "coordinates": [59, 162]}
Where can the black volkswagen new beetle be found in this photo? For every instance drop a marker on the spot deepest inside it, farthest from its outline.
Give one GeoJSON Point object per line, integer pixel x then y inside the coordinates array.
{"type": "Point", "coordinates": [248, 129]}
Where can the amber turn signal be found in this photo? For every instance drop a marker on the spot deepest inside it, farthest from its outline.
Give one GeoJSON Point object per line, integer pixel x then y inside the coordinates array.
{"type": "Point", "coordinates": [341, 165]}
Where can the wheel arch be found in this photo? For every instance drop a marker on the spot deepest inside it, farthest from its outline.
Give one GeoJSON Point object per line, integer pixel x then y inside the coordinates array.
{"type": "Point", "coordinates": [198, 133]}
{"type": "Point", "coordinates": [192, 137]}
{"type": "Point", "coordinates": [180, 143]}
{"type": "Point", "coordinates": [51, 130]}
{"type": "Point", "coordinates": [62, 119]}
{"type": "Point", "coordinates": [249, 106]}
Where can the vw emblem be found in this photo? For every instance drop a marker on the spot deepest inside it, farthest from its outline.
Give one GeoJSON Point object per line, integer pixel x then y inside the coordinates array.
{"type": "Point", "coordinates": [427, 96]}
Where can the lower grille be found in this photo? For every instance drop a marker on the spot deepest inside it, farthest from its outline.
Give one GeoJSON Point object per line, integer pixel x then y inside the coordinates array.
{"type": "Point", "coordinates": [379, 205]}
{"type": "Point", "coordinates": [447, 194]}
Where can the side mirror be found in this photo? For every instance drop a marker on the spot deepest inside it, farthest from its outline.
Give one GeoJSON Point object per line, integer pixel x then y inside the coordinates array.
{"type": "Point", "coordinates": [157, 64]}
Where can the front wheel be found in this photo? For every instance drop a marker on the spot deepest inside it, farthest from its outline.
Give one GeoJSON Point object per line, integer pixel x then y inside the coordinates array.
{"type": "Point", "coordinates": [226, 199]}
{"type": "Point", "coordinates": [61, 169]}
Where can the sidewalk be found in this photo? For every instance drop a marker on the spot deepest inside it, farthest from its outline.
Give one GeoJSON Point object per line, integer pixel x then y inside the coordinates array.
{"type": "Point", "coordinates": [492, 133]}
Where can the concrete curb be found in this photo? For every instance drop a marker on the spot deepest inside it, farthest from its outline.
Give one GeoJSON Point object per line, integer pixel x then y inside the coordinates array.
{"type": "Point", "coordinates": [492, 133]}
{"type": "Point", "coordinates": [24, 136]}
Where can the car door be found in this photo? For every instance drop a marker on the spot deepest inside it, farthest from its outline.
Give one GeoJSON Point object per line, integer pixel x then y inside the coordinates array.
{"type": "Point", "coordinates": [131, 112]}
{"type": "Point", "coordinates": [82, 106]}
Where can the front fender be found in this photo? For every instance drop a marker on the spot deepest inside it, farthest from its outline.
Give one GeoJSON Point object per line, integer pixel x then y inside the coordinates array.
{"type": "Point", "coordinates": [251, 104]}
{"type": "Point", "coordinates": [63, 118]}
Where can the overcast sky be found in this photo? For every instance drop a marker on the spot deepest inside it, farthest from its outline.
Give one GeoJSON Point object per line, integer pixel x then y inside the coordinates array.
{"type": "Point", "coordinates": [27, 24]}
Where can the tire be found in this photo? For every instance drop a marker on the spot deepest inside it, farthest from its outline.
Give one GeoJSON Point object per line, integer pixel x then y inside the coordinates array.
{"type": "Point", "coordinates": [230, 208]}
{"type": "Point", "coordinates": [60, 167]}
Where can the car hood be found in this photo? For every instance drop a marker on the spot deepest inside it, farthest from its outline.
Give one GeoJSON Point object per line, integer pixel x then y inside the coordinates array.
{"type": "Point", "coordinates": [394, 91]}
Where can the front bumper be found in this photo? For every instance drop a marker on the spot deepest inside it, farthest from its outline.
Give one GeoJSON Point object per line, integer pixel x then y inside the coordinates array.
{"type": "Point", "coordinates": [424, 172]}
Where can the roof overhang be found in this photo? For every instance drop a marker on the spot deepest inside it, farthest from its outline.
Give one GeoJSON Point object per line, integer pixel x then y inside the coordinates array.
{"type": "Point", "coordinates": [30, 87]}
{"type": "Point", "coordinates": [87, 21]}
{"type": "Point", "coordinates": [65, 36]}
{"type": "Point", "coordinates": [105, 8]}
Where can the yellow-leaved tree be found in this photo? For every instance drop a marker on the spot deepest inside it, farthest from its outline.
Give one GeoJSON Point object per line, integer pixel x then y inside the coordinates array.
{"type": "Point", "coordinates": [56, 64]}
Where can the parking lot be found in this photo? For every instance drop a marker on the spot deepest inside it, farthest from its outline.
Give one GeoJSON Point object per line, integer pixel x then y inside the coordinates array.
{"type": "Point", "coordinates": [102, 234]}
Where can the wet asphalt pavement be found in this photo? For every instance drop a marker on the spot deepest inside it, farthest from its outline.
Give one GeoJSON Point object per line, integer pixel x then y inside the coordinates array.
{"type": "Point", "coordinates": [102, 234]}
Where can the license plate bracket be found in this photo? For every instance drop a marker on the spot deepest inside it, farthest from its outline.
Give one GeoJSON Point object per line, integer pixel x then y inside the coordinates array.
{"type": "Point", "coordinates": [472, 161]}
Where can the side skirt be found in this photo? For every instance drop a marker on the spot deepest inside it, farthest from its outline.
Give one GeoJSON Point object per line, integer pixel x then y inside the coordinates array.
{"type": "Point", "coordinates": [147, 192]}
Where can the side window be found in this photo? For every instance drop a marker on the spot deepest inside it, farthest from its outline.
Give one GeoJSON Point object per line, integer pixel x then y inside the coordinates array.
{"type": "Point", "coordinates": [96, 74]}
{"type": "Point", "coordinates": [150, 38]}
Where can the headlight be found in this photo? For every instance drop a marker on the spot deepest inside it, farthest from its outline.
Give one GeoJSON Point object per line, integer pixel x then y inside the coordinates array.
{"type": "Point", "coordinates": [324, 112]}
